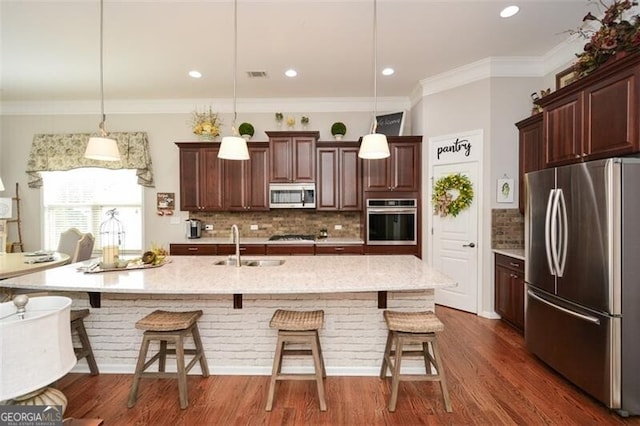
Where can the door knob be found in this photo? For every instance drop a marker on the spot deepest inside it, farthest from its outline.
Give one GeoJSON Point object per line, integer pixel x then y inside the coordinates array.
{"type": "Point", "coordinates": [469, 245]}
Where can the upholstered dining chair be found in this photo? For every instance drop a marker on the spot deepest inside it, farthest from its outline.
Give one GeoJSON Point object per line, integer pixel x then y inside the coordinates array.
{"type": "Point", "coordinates": [84, 248]}
{"type": "Point", "coordinates": [68, 242]}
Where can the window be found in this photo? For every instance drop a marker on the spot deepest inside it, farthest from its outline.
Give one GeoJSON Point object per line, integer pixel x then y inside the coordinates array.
{"type": "Point", "coordinates": [80, 198]}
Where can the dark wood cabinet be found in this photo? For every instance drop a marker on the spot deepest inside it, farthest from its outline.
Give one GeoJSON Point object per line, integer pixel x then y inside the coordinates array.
{"type": "Point", "coordinates": [594, 117]}
{"type": "Point", "coordinates": [339, 183]}
{"type": "Point", "coordinates": [200, 183]}
{"type": "Point", "coordinates": [245, 249]}
{"type": "Point", "coordinates": [193, 249]}
{"type": "Point", "coordinates": [246, 183]}
{"type": "Point", "coordinates": [509, 290]}
{"type": "Point", "coordinates": [290, 249]}
{"type": "Point", "coordinates": [530, 143]}
{"type": "Point", "coordinates": [399, 172]}
{"type": "Point", "coordinates": [326, 249]}
{"type": "Point", "coordinates": [292, 156]}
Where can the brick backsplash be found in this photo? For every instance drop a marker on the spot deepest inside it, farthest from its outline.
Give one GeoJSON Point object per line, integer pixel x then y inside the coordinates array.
{"type": "Point", "coordinates": [285, 221]}
{"type": "Point", "coordinates": [507, 229]}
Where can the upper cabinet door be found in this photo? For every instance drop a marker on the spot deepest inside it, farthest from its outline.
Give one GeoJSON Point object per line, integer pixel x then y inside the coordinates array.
{"type": "Point", "coordinates": [563, 131]}
{"type": "Point", "coordinates": [405, 166]}
{"type": "Point", "coordinates": [292, 156]}
{"type": "Point", "coordinates": [304, 159]}
{"type": "Point", "coordinates": [200, 179]}
{"type": "Point", "coordinates": [530, 151]}
{"type": "Point", "coordinates": [350, 169]}
{"type": "Point", "coordinates": [281, 163]}
{"type": "Point", "coordinates": [399, 172]}
{"type": "Point", "coordinates": [611, 114]}
{"type": "Point", "coordinates": [246, 182]}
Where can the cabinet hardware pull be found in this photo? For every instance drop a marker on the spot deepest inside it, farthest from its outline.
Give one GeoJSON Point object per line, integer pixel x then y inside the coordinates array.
{"type": "Point", "coordinates": [514, 264]}
{"type": "Point", "coordinates": [339, 248]}
{"type": "Point", "coordinates": [193, 249]}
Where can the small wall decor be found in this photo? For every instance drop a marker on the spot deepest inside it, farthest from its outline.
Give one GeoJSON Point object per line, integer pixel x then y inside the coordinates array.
{"type": "Point", "coordinates": [451, 195]}
{"type": "Point", "coordinates": [166, 203]}
{"type": "Point", "coordinates": [566, 77]}
{"type": "Point", "coordinates": [391, 124]}
{"type": "Point", "coordinates": [535, 98]}
{"type": "Point", "coordinates": [504, 190]}
{"type": "Point", "coordinates": [5, 208]}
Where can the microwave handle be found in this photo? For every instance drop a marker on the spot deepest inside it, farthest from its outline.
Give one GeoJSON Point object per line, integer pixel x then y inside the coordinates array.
{"type": "Point", "coordinates": [302, 196]}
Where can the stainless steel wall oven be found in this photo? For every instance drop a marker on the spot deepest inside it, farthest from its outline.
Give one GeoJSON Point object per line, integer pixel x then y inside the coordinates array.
{"type": "Point", "coordinates": [392, 221]}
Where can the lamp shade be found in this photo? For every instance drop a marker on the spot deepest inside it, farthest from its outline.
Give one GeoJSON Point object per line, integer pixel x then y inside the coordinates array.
{"type": "Point", "coordinates": [36, 350]}
{"type": "Point", "coordinates": [374, 146]}
{"type": "Point", "coordinates": [233, 148]}
{"type": "Point", "coordinates": [1, 185]}
{"type": "Point", "coordinates": [105, 149]}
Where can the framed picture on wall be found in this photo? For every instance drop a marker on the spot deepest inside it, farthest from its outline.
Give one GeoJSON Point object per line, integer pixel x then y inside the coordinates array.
{"type": "Point", "coordinates": [565, 77]}
{"type": "Point", "coordinates": [505, 190]}
{"type": "Point", "coordinates": [391, 124]}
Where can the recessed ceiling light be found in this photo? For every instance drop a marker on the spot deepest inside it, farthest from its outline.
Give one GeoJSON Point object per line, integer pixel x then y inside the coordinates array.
{"type": "Point", "coordinates": [195, 74]}
{"type": "Point", "coordinates": [509, 11]}
{"type": "Point", "coordinates": [291, 73]}
{"type": "Point", "coordinates": [388, 71]}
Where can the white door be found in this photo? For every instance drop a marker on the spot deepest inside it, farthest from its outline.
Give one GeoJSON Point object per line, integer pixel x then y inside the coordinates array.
{"type": "Point", "coordinates": [455, 244]}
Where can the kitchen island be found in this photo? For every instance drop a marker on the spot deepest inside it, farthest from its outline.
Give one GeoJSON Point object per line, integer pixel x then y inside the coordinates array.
{"type": "Point", "coordinates": [239, 341]}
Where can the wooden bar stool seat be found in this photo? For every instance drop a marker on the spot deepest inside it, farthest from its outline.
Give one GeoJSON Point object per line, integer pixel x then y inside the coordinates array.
{"type": "Point", "coordinates": [84, 351]}
{"type": "Point", "coordinates": [298, 327]}
{"type": "Point", "coordinates": [406, 328]}
{"type": "Point", "coordinates": [169, 327]}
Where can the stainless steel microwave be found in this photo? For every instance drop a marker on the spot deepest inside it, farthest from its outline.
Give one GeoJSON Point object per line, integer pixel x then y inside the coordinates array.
{"type": "Point", "coordinates": [292, 196]}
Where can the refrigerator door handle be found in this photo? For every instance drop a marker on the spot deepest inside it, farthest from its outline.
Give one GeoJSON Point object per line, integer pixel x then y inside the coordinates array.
{"type": "Point", "coordinates": [554, 233]}
{"type": "Point", "coordinates": [564, 231]}
{"type": "Point", "coordinates": [588, 318]}
{"type": "Point", "coordinates": [547, 232]}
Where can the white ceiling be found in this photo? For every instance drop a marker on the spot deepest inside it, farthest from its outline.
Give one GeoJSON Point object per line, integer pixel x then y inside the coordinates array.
{"type": "Point", "coordinates": [50, 48]}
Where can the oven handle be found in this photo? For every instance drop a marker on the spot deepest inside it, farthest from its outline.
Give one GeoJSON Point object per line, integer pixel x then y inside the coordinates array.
{"type": "Point", "coordinates": [392, 210]}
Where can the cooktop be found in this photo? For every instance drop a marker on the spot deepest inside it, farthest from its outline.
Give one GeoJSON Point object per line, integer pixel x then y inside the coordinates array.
{"type": "Point", "coordinates": [291, 237]}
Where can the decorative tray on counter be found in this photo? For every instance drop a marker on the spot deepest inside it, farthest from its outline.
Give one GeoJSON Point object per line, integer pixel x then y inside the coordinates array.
{"type": "Point", "coordinates": [95, 268]}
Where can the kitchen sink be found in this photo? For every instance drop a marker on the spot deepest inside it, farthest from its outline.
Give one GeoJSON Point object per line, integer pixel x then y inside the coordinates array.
{"type": "Point", "coordinates": [250, 262]}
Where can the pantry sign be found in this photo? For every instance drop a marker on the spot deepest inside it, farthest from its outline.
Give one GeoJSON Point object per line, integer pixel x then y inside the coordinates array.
{"type": "Point", "coordinates": [456, 148]}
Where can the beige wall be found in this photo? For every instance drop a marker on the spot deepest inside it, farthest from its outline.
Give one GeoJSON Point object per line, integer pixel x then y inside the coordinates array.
{"type": "Point", "coordinates": [163, 130]}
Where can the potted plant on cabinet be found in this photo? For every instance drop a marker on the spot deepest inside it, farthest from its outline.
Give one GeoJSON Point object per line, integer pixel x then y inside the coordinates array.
{"type": "Point", "coordinates": [246, 130]}
{"type": "Point", "coordinates": [338, 130]}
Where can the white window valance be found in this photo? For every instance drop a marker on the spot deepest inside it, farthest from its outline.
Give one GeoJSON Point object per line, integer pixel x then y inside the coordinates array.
{"type": "Point", "coordinates": [60, 152]}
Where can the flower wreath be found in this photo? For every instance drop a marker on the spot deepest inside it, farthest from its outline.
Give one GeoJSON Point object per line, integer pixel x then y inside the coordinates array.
{"type": "Point", "coordinates": [444, 203]}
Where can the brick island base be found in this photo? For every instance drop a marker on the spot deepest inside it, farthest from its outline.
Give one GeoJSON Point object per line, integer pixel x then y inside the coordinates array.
{"type": "Point", "coordinates": [239, 341]}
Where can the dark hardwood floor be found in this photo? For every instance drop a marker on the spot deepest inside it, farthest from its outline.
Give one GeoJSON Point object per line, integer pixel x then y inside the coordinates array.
{"type": "Point", "coordinates": [493, 380]}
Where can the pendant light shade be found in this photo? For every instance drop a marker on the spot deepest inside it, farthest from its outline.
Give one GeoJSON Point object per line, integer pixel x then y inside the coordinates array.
{"type": "Point", "coordinates": [234, 147]}
{"type": "Point", "coordinates": [374, 146]}
{"type": "Point", "coordinates": [101, 147]}
{"type": "Point", "coordinates": [1, 185]}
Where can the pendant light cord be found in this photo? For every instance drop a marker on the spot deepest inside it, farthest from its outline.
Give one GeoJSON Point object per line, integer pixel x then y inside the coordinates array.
{"type": "Point", "coordinates": [234, 131]}
{"type": "Point", "coordinates": [375, 66]}
{"type": "Point", "coordinates": [104, 117]}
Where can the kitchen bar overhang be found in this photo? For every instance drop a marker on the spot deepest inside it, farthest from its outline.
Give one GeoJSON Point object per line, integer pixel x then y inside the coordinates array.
{"type": "Point", "coordinates": [197, 275]}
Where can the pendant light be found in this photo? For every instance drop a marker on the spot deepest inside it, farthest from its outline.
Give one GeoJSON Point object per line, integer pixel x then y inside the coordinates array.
{"type": "Point", "coordinates": [101, 147]}
{"type": "Point", "coordinates": [374, 145]}
{"type": "Point", "coordinates": [234, 147]}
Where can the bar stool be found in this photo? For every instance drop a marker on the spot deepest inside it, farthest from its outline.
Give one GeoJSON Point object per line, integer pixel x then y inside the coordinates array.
{"type": "Point", "coordinates": [84, 351]}
{"type": "Point", "coordinates": [298, 327]}
{"type": "Point", "coordinates": [169, 327]}
{"type": "Point", "coordinates": [409, 328]}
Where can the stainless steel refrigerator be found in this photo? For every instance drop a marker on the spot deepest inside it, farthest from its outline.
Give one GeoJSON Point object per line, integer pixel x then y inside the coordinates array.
{"type": "Point", "coordinates": [582, 252]}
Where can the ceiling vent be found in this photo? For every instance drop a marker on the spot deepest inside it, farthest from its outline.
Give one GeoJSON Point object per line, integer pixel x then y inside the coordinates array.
{"type": "Point", "coordinates": [257, 74]}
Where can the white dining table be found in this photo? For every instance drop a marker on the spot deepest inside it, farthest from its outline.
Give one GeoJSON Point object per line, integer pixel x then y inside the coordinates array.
{"type": "Point", "coordinates": [16, 264]}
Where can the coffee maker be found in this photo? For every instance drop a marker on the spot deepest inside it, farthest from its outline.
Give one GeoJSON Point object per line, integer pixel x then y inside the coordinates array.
{"type": "Point", "coordinates": [194, 228]}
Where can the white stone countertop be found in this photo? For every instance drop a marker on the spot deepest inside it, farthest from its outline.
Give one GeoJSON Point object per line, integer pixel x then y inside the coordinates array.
{"type": "Point", "coordinates": [265, 240]}
{"type": "Point", "coordinates": [198, 275]}
{"type": "Point", "coordinates": [515, 253]}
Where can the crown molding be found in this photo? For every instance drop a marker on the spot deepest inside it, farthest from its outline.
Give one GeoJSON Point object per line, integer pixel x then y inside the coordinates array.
{"type": "Point", "coordinates": [180, 106]}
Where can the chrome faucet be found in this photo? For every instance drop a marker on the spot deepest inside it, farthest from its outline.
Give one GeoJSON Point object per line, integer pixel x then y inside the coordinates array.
{"type": "Point", "coordinates": [235, 235]}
